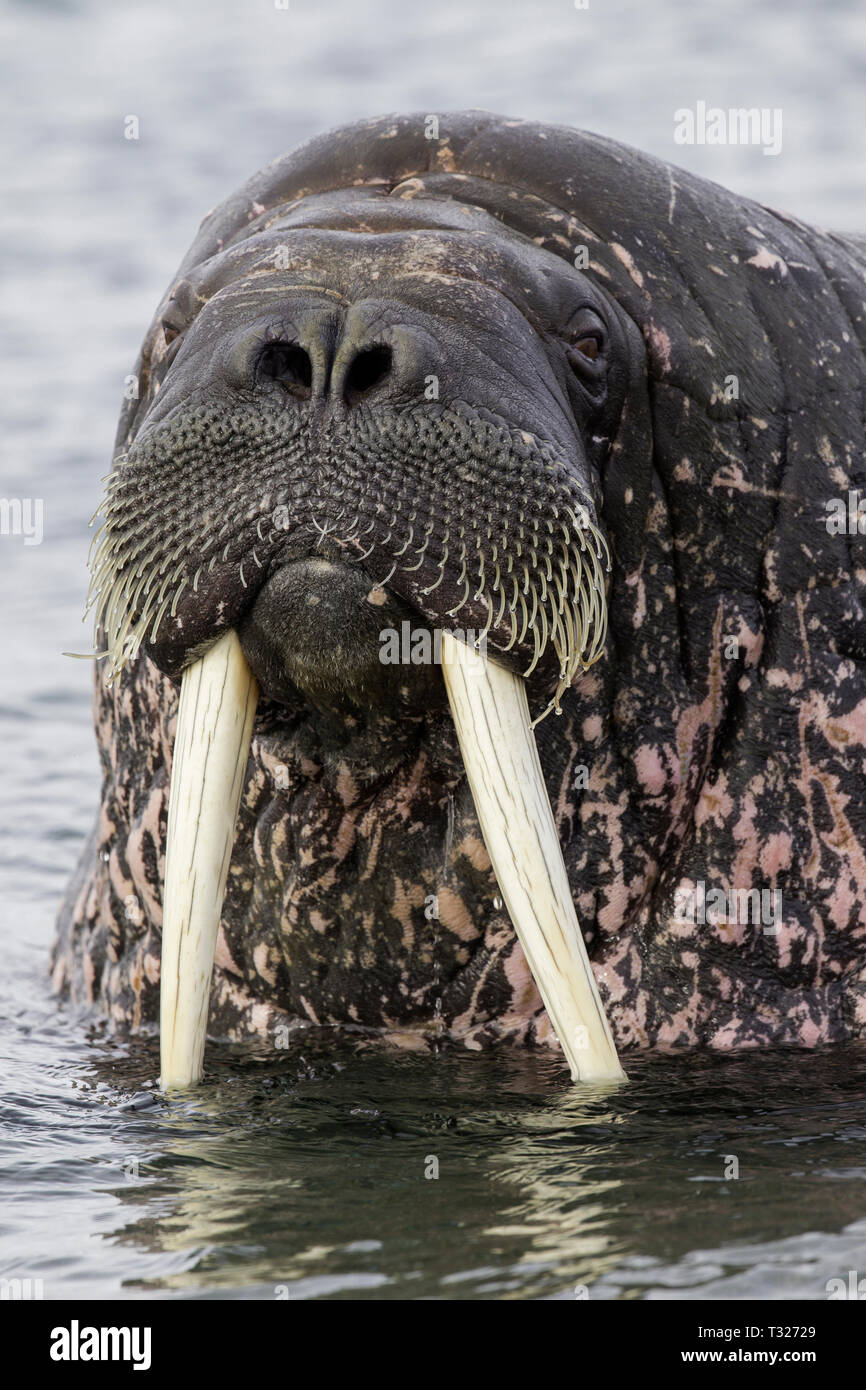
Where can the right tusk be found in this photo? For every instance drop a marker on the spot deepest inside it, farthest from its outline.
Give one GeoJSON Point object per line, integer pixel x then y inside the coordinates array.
{"type": "Point", "coordinates": [491, 715]}
{"type": "Point", "coordinates": [218, 697]}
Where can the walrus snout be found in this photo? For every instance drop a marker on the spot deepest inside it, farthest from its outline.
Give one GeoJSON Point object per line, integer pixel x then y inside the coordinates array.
{"type": "Point", "coordinates": [318, 628]}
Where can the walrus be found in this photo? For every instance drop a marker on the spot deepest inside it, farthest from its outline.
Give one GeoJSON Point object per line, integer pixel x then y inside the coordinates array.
{"type": "Point", "coordinates": [537, 391]}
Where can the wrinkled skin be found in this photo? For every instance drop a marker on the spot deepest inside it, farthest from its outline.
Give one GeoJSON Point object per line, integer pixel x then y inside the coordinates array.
{"type": "Point", "coordinates": [721, 737]}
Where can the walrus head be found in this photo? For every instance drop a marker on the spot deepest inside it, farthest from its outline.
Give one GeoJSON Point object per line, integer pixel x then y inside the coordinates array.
{"type": "Point", "coordinates": [394, 416]}
{"type": "Point", "coordinates": [528, 385]}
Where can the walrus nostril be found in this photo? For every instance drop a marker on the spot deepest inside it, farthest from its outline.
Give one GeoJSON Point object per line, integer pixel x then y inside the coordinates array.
{"type": "Point", "coordinates": [367, 371]}
{"type": "Point", "coordinates": [289, 365]}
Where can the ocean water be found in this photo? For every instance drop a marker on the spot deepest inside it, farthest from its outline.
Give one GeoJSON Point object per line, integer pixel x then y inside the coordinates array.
{"type": "Point", "coordinates": [333, 1171]}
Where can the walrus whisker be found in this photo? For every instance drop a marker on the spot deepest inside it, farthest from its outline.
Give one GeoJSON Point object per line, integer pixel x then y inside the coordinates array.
{"type": "Point", "coordinates": [556, 632]}
{"type": "Point", "coordinates": [442, 564]}
{"type": "Point", "coordinates": [452, 612]}
{"type": "Point", "coordinates": [512, 618]}
{"type": "Point", "coordinates": [525, 611]}
{"type": "Point", "coordinates": [483, 635]}
{"type": "Point", "coordinates": [412, 569]}
{"type": "Point", "coordinates": [159, 618]}
{"type": "Point", "coordinates": [502, 599]}
{"type": "Point", "coordinates": [537, 654]}
{"type": "Point", "coordinates": [461, 578]}
{"type": "Point", "coordinates": [408, 541]}
{"type": "Point", "coordinates": [177, 595]}
{"type": "Point", "coordinates": [531, 589]}
{"type": "Point", "coordinates": [545, 631]}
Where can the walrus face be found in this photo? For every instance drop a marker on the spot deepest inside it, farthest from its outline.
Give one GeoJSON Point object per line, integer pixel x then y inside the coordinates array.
{"type": "Point", "coordinates": [357, 426]}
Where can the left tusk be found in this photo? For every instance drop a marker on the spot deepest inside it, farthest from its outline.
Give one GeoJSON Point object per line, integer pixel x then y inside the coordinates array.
{"type": "Point", "coordinates": [491, 715]}
{"type": "Point", "coordinates": [218, 698]}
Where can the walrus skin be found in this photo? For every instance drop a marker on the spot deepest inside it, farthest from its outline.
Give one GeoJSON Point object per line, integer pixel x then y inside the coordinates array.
{"type": "Point", "coordinates": [385, 341]}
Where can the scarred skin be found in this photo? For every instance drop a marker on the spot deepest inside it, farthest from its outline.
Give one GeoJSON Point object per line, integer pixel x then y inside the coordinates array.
{"type": "Point", "coordinates": [721, 737]}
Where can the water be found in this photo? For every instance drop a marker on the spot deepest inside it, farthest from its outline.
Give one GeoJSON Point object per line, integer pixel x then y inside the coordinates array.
{"type": "Point", "coordinates": [336, 1173]}
{"type": "Point", "coordinates": [305, 1171]}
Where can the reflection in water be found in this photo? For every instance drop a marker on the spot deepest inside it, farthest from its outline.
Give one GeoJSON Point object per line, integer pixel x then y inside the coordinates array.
{"type": "Point", "coordinates": [309, 1174]}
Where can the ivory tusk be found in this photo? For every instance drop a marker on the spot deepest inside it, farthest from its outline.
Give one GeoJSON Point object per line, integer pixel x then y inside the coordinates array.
{"type": "Point", "coordinates": [218, 698]}
{"type": "Point", "coordinates": [491, 715]}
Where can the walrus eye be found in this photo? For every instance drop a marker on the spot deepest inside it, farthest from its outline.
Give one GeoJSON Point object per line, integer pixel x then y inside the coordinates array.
{"type": "Point", "coordinates": [169, 332]}
{"type": "Point", "coordinates": [289, 366]}
{"type": "Point", "coordinates": [586, 338]}
{"type": "Point", "coordinates": [586, 360]}
{"type": "Point", "coordinates": [589, 347]}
